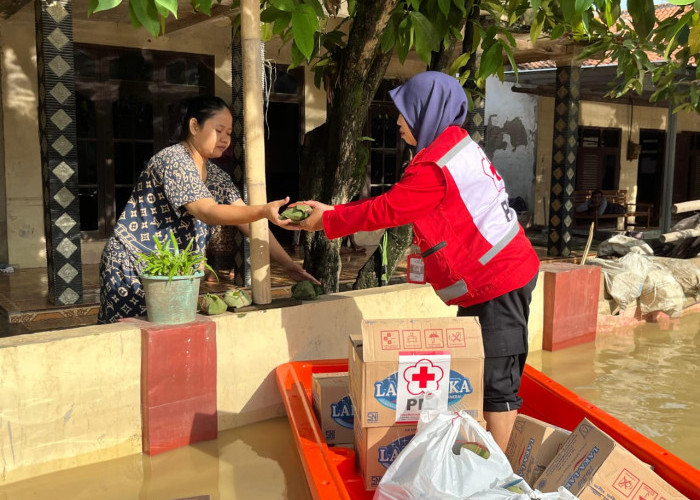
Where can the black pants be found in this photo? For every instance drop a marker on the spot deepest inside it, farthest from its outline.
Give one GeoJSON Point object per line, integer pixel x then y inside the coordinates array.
{"type": "Point", "coordinates": [504, 332]}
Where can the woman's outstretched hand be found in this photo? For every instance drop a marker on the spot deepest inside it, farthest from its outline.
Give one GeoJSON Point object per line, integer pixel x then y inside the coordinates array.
{"type": "Point", "coordinates": [272, 212]}
{"type": "Point", "coordinates": [298, 273]}
{"type": "Point", "coordinates": [313, 222]}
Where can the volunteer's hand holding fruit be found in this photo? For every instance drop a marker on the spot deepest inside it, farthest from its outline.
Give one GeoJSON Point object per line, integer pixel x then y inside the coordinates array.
{"type": "Point", "coordinates": [306, 215]}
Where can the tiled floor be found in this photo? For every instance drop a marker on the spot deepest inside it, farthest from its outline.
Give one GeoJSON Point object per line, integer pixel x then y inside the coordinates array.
{"type": "Point", "coordinates": [25, 308]}
{"type": "Point", "coordinates": [24, 305]}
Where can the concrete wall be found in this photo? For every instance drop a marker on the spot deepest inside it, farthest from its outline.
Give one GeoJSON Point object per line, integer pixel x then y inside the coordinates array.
{"type": "Point", "coordinates": [72, 397]}
{"type": "Point", "coordinates": [511, 137]}
{"type": "Point", "coordinates": [543, 184]}
{"type": "Point", "coordinates": [24, 205]}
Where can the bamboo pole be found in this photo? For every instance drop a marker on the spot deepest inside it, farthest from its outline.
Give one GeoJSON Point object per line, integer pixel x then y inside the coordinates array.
{"type": "Point", "coordinates": [588, 243]}
{"type": "Point", "coordinates": [255, 148]}
{"type": "Point", "coordinates": [679, 235]}
{"type": "Point", "coordinates": [686, 206]}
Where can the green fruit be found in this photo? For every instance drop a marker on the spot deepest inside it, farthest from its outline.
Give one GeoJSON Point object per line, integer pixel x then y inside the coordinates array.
{"type": "Point", "coordinates": [296, 213]}
{"type": "Point", "coordinates": [236, 298]}
{"type": "Point", "coordinates": [212, 304]}
{"type": "Point", "coordinates": [319, 289]}
{"type": "Point", "coordinates": [304, 290]}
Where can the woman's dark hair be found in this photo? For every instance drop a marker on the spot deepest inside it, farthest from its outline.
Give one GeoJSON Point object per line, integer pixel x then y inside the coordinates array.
{"type": "Point", "coordinates": [201, 108]}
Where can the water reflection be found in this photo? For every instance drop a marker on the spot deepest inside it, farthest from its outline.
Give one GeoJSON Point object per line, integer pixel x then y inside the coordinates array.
{"type": "Point", "coordinates": [257, 461]}
{"type": "Point", "coordinates": [646, 376]}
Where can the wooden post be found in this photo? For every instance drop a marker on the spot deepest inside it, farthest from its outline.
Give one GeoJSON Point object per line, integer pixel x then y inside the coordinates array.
{"type": "Point", "coordinates": [255, 148]}
{"type": "Point", "coordinates": [679, 235]}
{"type": "Point", "coordinates": [686, 206]}
{"type": "Point", "coordinates": [669, 166]}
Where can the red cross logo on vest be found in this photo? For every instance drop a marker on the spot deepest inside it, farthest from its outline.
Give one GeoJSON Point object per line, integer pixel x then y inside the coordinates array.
{"type": "Point", "coordinates": [491, 172]}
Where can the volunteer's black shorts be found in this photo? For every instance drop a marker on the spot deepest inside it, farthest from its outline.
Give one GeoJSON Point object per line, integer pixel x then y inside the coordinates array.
{"type": "Point", "coordinates": [504, 332]}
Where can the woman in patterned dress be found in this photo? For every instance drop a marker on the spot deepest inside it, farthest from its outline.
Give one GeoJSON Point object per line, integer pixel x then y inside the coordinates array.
{"type": "Point", "coordinates": [180, 190]}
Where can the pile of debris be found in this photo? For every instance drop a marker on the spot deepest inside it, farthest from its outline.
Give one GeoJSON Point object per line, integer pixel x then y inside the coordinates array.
{"type": "Point", "coordinates": [659, 279]}
{"type": "Point", "coordinates": [683, 242]}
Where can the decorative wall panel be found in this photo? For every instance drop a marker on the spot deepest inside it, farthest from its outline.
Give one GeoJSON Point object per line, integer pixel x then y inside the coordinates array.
{"type": "Point", "coordinates": [564, 146]}
{"type": "Point", "coordinates": [59, 160]}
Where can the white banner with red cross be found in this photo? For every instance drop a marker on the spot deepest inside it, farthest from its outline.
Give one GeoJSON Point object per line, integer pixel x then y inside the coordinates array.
{"type": "Point", "coordinates": [423, 381]}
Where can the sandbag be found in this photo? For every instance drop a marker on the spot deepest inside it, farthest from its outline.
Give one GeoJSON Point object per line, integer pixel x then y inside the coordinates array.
{"type": "Point", "coordinates": [624, 277]}
{"type": "Point", "coordinates": [685, 272]}
{"type": "Point", "coordinates": [661, 293]}
{"type": "Point", "coordinates": [622, 245]}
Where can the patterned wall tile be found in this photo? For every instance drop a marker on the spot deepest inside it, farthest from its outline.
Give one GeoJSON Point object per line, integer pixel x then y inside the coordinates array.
{"type": "Point", "coordinates": [59, 162]}
{"type": "Point", "coordinates": [242, 254]}
{"type": "Point", "coordinates": [476, 121]}
{"type": "Point", "coordinates": [565, 144]}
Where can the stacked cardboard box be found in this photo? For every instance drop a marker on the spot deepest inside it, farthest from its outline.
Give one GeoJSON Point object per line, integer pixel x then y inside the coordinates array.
{"type": "Point", "coordinates": [373, 365]}
{"type": "Point", "coordinates": [331, 403]}
{"type": "Point", "coordinates": [592, 465]}
{"type": "Point", "coordinates": [532, 446]}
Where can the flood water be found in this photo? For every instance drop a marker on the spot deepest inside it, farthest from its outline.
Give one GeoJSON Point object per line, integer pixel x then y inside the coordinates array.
{"type": "Point", "coordinates": [255, 462]}
{"type": "Point", "coordinates": [646, 376]}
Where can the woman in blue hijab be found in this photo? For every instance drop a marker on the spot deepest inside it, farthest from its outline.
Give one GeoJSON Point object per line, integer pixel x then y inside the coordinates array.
{"type": "Point", "coordinates": [475, 254]}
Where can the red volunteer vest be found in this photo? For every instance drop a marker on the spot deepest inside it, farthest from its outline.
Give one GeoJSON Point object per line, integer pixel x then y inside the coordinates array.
{"type": "Point", "coordinates": [472, 244]}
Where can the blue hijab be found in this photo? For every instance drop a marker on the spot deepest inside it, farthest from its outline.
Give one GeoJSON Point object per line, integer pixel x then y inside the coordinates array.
{"type": "Point", "coordinates": [430, 102]}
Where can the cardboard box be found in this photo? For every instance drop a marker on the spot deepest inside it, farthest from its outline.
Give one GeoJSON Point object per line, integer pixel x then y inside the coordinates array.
{"type": "Point", "coordinates": [378, 447]}
{"type": "Point", "coordinates": [532, 446]}
{"type": "Point", "coordinates": [373, 364]}
{"type": "Point", "coordinates": [592, 465]}
{"type": "Point", "coordinates": [332, 406]}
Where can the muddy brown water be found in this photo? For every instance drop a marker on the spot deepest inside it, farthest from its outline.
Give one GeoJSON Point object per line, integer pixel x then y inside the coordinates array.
{"type": "Point", "coordinates": [646, 376]}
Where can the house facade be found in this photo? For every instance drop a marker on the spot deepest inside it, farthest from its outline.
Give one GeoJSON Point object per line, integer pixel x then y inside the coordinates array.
{"type": "Point", "coordinates": [621, 145]}
{"type": "Point", "coordinates": [86, 102]}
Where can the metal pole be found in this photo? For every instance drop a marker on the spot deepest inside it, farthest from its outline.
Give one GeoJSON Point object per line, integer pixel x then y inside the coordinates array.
{"type": "Point", "coordinates": [255, 148]}
{"type": "Point", "coordinates": [669, 167]}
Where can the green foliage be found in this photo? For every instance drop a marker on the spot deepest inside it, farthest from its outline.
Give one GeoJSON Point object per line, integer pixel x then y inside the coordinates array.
{"type": "Point", "coordinates": [100, 5]}
{"type": "Point", "coordinates": [169, 260]}
{"type": "Point", "coordinates": [428, 26]}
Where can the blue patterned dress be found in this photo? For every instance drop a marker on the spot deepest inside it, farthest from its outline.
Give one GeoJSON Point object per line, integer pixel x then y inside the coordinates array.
{"type": "Point", "coordinates": [169, 181]}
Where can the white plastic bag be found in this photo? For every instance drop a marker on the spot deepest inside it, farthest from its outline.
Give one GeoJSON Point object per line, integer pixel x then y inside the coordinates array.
{"type": "Point", "coordinates": [429, 468]}
{"type": "Point", "coordinates": [522, 491]}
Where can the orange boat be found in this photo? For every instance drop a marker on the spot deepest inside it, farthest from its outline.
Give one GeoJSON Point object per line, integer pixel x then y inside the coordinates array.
{"type": "Point", "coordinates": [332, 474]}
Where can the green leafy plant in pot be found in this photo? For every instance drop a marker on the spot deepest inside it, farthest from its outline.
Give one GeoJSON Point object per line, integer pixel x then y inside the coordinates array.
{"type": "Point", "coordinates": [170, 277]}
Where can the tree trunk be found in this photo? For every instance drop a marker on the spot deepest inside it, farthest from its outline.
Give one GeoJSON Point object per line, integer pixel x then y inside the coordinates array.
{"type": "Point", "coordinates": [333, 159]}
{"type": "Point", "coordinates": [398, 240]}
{"type": "Point", "coordinates": [333, 166]}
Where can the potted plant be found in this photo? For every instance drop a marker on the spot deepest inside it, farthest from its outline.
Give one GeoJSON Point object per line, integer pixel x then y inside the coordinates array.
{"type": "Point", "coordinates": [170, 277]}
